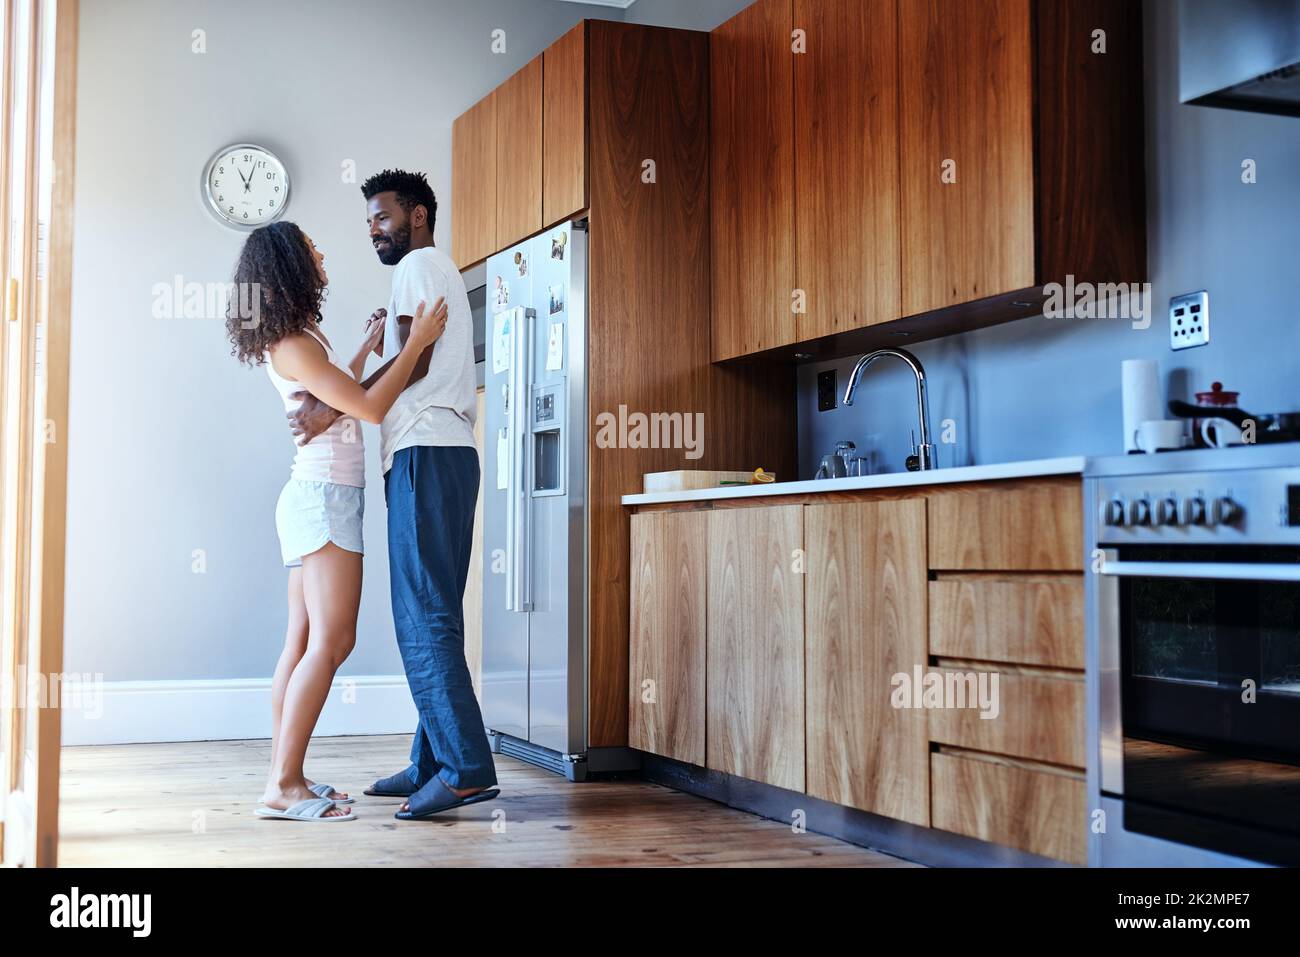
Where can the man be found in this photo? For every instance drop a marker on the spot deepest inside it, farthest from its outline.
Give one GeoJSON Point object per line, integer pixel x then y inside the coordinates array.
{"type": "Point", "coordinates": [431, 476]}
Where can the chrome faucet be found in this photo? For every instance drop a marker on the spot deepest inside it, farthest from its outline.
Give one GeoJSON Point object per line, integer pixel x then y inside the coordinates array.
{"type": "Point", "coordinates": [922, 455]}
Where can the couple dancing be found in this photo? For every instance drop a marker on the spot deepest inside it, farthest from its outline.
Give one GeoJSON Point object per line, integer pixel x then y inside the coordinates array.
{"type": "Point", "coordinates": [423, 398]}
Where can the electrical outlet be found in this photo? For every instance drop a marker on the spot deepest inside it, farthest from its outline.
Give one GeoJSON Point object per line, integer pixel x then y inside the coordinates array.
{"type": "Point", "coordinates": [826, 398]}
{"type": "Point", "coordinates": [1189, 320]}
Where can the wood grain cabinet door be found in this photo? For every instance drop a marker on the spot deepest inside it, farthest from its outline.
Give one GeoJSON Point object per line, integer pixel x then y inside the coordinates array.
{"type": "Point", "coordinates": [966, 150]}
{"type": "Point", "coordinates": [866, 600]}
{"type": "Point", "coordinates": [666, 654]}
{"type": "Point", "coordinates": [564, 126]}
{"type": "Point", "coordinates": [519, 155]}
{"type": "Point", "coordinates": [755, 643]}
{"type": "Point", "coordinates": [752, 180]}
{"type": "Point", "coordinates": [846, 165]}
{"type": "Point", "coordinates": [474, 183]}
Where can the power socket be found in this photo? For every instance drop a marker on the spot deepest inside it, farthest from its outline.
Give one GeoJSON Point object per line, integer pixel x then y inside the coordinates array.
{"type": "Point", "coordinates": [1189, 320]}
{"type": "Point", "coordinates": [826, 398]}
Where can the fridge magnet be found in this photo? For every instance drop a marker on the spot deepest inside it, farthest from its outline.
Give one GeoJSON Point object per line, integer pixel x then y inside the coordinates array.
{"type": "Point", "coordinates": [558, 242]}
{"type": "Point", "coordinates": [555, 348]}
{"type": "Point", "coordinates": [557, 299]}
{"type": "Point", "coordinates": [521, 263]}
{"type": "Point", "coordinates": [500, 343]}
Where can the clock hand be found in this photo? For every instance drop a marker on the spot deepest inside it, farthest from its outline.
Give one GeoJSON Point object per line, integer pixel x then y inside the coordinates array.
{"type": "Point", "coordinates": [241, 176]}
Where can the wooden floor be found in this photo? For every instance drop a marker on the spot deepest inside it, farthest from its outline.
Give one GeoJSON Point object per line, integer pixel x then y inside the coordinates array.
{"type": "Point", "coordinates": [181, 805]}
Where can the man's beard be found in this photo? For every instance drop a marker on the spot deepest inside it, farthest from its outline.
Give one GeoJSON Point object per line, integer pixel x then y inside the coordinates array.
{"type": "Point", "coordinates": [391, 249]}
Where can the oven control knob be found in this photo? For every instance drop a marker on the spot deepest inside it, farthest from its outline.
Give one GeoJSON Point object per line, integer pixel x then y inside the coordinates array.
{"type": "Point", "coordinates": [1167, 511]}
{"type": "Point", "coordinates": [1112, 512]}
{"type": "Point", "coordinates": [1193, 511]}
{"type": "Point", "coordinates": [1139, 512]}
{"type": "Point", "coordinates": [1225, 511]}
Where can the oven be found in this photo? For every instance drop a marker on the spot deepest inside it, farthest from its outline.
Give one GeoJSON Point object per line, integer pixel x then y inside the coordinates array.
{"type": "Point", "coordinates": [1195, 619]}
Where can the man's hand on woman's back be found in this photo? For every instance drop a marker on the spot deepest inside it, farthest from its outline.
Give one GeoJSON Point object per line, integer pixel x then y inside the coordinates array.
{"type": "Point", "coordinates": [311, 418]}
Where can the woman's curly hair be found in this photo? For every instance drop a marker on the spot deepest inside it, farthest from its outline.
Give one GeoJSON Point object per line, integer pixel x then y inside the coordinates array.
{"type": "Point", "coordinates": [278, 291]}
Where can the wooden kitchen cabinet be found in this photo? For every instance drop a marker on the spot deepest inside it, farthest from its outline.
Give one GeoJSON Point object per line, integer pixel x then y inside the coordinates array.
{"type": "Point", "coordinates": [752, 181]}
{"type": "Point", "coordinates": [564, 126]}
{"type": "Point", "coordinates": [667, 640]}
{"type": "Point", "coordinates": [866, 622]}
{"type": "Point", "coordinates": [805, 190]}
{"type": "Point", "coordinates": [519, 155]}
{"type": "Point", "coordinates": [474, 183]}
{"type": "Point", "coordinates": [966, 150]}
{"type": "Point", "coordinates": [846, 123]}
{"type": "Point", "coordinates": [936, 162]}
{"type": "Point", "coordinates": [755, 674]}
{"type": "Point", "coordinates": [813, 602]}
{"type": "Point", "coordinates": [1006, 598]}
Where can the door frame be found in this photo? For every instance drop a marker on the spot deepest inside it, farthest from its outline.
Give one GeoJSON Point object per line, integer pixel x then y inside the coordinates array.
{"type": "Point", "coordinates": [39, 546]}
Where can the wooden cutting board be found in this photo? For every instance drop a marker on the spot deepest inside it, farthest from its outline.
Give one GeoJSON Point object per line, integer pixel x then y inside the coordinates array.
{"type": "Point", "coordinates": [683, 480]}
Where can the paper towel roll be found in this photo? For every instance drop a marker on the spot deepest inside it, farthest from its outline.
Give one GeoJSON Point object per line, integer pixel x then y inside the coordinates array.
{"type": "Point", "coordinates": [1141, 389]}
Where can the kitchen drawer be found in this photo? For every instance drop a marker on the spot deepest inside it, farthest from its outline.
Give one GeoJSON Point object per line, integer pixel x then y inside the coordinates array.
{"type": "Point", "coordinates": [1038, 717]}
{"type": "Point", "coordinates": [1028, 622]}
{"type": "Point", "coordinates": [1007, 802]}
{"type": "Point", "coordinates": [1017, 526]}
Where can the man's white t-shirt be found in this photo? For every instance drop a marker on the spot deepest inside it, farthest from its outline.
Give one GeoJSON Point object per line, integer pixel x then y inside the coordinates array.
{"type": "Point", "coordinates": [440, 408]}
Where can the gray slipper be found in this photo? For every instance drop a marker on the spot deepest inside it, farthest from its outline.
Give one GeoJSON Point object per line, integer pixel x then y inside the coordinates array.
{"type": "Point", "coordinates": [395, 785]}
{"type": "Point", "coordinates": [312, 809]}
{"type": "Point", "coordinates": [324, 791]}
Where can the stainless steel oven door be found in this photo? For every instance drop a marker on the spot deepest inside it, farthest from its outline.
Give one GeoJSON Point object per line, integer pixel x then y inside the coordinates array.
{"type": "Point", "coordinates": [1111, 640]}
{"type": "Point", "coordinates": [1199, 694]}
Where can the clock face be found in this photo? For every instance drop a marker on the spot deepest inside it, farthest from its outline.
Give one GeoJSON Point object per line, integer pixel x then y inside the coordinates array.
{"type": "Point", "coordinates": [246, 186]}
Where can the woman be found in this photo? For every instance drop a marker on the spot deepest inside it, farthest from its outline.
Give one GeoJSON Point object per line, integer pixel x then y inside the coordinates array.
{"type": "Point", "coordinates": [318, 516]}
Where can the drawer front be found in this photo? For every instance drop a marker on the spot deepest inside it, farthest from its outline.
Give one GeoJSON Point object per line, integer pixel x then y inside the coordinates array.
{"type": "Point", "coordinates": [1037, 717]}
{"type": "Point", "coordinates": [1016, 527]}
{"type": "Point", "coordinates": [1023, 622]}
{"type": "Point", "coordinates": [996, 801]}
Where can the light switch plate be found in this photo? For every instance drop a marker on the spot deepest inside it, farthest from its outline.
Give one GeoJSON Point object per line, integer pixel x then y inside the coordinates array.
{"type": "Point", "coordinates": [1189, 320]}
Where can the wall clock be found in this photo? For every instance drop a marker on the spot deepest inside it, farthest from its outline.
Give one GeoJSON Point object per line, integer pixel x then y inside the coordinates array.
{"type": "Point", "coordinates": [246, 186]}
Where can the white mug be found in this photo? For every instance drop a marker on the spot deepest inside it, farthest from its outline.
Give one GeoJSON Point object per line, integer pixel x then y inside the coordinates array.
{"type": "Point", "coordinates": [1225, 433]}
{"type": "Point", "coordinates": [1155, 435]}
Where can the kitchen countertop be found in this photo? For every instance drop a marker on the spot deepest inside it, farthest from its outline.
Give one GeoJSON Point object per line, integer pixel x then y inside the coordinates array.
{"type": "Point", "coordinates": [1069, 465]}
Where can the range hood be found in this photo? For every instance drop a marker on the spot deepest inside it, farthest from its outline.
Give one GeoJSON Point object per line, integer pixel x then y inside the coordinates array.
{"type": "Point", "coordinates": [1240, 54]}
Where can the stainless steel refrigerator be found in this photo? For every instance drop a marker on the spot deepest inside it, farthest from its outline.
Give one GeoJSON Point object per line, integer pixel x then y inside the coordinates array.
{"type": "Point", "coordinates": [534, 672]}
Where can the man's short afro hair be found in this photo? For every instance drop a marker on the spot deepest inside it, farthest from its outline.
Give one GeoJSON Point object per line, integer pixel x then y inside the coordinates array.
{"type": "Point", "coordinates": [412, 190]}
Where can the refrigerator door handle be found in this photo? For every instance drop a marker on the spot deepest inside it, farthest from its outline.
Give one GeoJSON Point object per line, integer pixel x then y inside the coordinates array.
{"type": "Point", "coordinates": [519, 587]}
{"type": "Point", "coordinates": [513, 392]}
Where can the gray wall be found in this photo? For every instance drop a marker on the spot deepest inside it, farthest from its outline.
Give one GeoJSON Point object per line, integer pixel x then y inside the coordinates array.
{"type": "Point", "coordinates": [175, 447]}
{"type": "Point", "coordinates": [687, 14]}
{"type": "Point", "coordinates": [1043, 387]}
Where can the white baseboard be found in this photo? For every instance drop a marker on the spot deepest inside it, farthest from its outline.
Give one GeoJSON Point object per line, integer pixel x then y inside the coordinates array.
{"type": "Point", "coordinates": [135, 712]}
